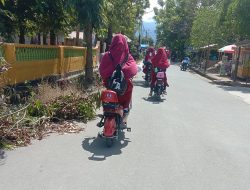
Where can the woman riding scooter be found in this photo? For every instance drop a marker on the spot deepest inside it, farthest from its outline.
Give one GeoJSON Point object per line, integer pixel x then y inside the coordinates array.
{"type": "Point", "coordinates": [150, 53]}
{"type": "Point", "coordinates": [159, 62]}
{"type": "Point", "coordinates": [119, 54]}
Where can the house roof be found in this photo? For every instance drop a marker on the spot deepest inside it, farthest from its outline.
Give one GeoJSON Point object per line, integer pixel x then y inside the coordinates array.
{"type": "Point", "coordinates": [73, 35]}
{"type": "Point", "coordinates": [244, 43]}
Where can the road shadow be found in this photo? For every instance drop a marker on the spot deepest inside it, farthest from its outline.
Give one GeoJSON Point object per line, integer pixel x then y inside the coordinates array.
{"type": "Point", "coordinates": [100, 151]}
{"type": "Point", "coordinates": [244, 90]}
{"type": "Point", "coordinates": [153, 100]}
{"type": "Point", "coordinates": [191, 71]}
{"type": "Point", "coordinates": [140, 83]}
{"type": "Point", "coordinates": [2, 157]}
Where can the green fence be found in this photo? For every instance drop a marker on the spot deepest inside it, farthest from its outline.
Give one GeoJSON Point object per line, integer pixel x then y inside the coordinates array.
{"type": "Point", "coordinates": [33, 54]}
{"type": "Point", "coordinates": [68, 52]}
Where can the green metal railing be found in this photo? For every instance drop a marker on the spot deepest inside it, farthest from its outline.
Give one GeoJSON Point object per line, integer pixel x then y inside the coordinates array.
{"type": "Point", "coordinates": [68, 52]}
{"type": "Point", "coordinates": [32, 54]}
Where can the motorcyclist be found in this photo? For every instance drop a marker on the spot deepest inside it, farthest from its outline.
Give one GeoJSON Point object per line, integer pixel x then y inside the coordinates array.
{"type": "Point", "coordinates": [119, 54]}
{"type": "Point", "coordinates": [185, 62]}
{"type": "Point", "coordinates": [150, 53]}
{"type": "Point", "coordinates": [159, 62]}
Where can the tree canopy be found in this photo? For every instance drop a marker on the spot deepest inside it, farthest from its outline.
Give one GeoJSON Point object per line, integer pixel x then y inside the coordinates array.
{"type": "Point", "coordinates": [24, 17]}
{"type": "Point", "coordinates": [181, 23]}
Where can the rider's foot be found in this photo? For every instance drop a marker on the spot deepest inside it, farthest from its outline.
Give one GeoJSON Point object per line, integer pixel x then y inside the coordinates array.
{"type": "Point", "coordinates": [150, 93]}
{"type": "Point", "coordinates": [165, 92]}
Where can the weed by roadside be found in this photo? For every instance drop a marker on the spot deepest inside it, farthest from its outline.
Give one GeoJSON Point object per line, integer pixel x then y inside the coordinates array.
{"type": "Point", "coordinates": [48, 109]}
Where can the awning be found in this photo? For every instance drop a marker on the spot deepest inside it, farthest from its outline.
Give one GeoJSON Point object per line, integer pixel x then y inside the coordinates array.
{"type": "Point", "coordinates": [209, 46]}
{"type": "Point", "coordinates": [144, 45]}
{"type": "Point", "coordinates": [228, 49]}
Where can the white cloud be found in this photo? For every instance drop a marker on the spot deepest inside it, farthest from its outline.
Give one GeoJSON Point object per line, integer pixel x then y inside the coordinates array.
{"type": "Point", "coordinates": [149, 12]}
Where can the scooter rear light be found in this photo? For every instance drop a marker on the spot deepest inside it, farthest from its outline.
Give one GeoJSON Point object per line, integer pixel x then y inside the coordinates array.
{"type": "Point", "coordinates": [109, 96]}
{"type": "Point", "coordinates": [160, 75]}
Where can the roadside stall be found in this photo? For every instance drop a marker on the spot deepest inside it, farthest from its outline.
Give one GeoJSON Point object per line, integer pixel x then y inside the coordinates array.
{"type": "Point", "coordinates": [244, 64]}
{"type": "Point", "coordinates": [226, 54]}
{"type": "Point", "coordinates": [208, 55]}
{"type": "Point", "coordinates": [243, 54]}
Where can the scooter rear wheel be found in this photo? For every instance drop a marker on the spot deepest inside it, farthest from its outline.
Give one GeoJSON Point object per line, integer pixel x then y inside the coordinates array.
{"type": "Point", "coordinates": [109, 142]}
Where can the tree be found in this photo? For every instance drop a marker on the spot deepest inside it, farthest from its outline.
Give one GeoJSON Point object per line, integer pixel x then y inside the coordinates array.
{"type": "Point", "coordinates": [205, 29]}
{"type": "Point", "coordinates": [147, 40]}
{"type": "Point", "coordinates": [175, 20]}
{"type": "Point", "coordinates": [90, 16]}
{"type": "Point", "coordinates": [7, 20]}
{"type": "Point", "coordinates": [63, 12]}
{"type": "Point", "coordinates": [22, 10]}
{"type": "Point", "coordinates": [238, 16]}
{"type": "Point", "coordinates": [123, 16]}
{"type": "Point", "coordinates": [31, 17]}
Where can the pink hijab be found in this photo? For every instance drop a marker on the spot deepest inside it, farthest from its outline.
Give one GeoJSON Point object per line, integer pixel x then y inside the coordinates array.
{"type": "Point", "coordinates": [118, 54]}
{"type": "Point", "coordinates": [152, 51]}
{"type": "Point", "coordinates": [160, 60]}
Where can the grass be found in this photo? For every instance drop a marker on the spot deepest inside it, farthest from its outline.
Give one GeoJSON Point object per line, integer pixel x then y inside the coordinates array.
{"type": "Point", "coordinates": [48, 105]}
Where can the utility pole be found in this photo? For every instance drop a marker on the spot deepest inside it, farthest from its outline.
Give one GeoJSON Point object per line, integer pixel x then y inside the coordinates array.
{"type": "Point", "coordinates": [139, 38]}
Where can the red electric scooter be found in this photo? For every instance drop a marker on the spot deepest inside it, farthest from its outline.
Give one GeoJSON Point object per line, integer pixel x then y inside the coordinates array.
{"type": "Point", "coordinates": [112, 117]}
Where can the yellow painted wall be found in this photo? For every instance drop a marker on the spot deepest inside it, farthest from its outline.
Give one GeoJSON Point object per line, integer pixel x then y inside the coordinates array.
{"type": "Point", "coordinates": [26, 70]}
{"type": "Point", "coordinates": [243, 72]}
{"type": "Point", "coordinates": [73, 64]}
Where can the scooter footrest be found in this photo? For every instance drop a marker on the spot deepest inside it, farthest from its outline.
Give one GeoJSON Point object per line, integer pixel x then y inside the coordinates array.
{"type": "Point", "coordinates": [100, 124]}
{"type": "Point", "coordinates": [100, 134]}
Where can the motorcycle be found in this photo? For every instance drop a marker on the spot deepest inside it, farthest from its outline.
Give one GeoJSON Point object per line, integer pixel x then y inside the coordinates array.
{"type": "Point", "coordinates": [112, 117]}
{"type": "Point", "coordinates": [159, 85]}
{"type": "Point", "coordinates": [147, 76]}
{"type": "Point", "coordinates": [183, 65]}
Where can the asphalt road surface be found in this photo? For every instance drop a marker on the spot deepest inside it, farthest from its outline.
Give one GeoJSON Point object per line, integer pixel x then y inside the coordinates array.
{"type": "Point", "coordinates": [197, 138]}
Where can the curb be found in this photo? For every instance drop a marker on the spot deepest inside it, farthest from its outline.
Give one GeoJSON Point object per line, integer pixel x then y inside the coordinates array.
{"type": "Point", "coordinates": [218, 82]}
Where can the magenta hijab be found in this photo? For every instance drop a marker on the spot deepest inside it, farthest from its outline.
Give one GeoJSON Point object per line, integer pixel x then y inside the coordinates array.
{"type": "Point", "coordinates": [160, 60]}
{"type": "Point", "coordinates": [149, 51]}
{"type": "Point", "coordinates": [118, 54]}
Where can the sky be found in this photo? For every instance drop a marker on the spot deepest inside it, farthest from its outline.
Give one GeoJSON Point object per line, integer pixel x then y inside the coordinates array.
{"type": "Point", "coordinates": [148, 16]}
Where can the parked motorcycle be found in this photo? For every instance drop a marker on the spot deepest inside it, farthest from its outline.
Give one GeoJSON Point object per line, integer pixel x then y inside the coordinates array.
{"type": "Point", "coordinates": [112, 117]}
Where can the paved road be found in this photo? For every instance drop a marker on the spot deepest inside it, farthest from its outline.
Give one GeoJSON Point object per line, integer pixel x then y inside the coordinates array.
{"type": "Point", "coordinates": [198, 138]}
{"type": "Point", "coordinates": [242, 93]}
